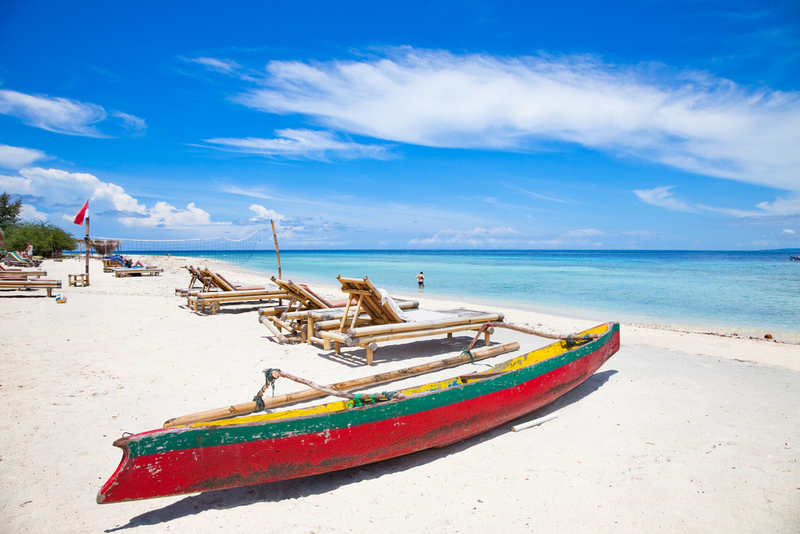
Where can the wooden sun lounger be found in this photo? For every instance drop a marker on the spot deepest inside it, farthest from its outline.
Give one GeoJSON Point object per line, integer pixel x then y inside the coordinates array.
{"type": "Point", "coordinates": [213, 299]}
{"type": "Point", "coordinates": [110, 265]}
{"type": "Point", "coordinates": [387, 322]}
{"type": "Point", "coordinates": [138, 271]}
{"type": "Point", "coordinates": [49, 285]}
{"type": "Point", "coordinates": [197, 277]}
{"type": "Point", "coordinates": [293, 316]}
{"type": "Point", "coordinates": [23, 273]}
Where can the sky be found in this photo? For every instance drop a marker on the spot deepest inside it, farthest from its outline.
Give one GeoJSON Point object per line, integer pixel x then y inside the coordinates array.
{"type": "Point", "coordinates": [644, 125]}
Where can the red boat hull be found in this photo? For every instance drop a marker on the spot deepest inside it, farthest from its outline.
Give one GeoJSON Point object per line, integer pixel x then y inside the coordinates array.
{"type": "Point", "coordinates": [182, 464]}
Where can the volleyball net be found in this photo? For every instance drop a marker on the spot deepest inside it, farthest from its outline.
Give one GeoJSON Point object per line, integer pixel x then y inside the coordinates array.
{"type": "Point", "coordinates": [224, 248]}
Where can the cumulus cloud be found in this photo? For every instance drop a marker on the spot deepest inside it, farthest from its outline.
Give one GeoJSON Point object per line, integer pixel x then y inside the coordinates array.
{"type": "Point", "coordinates": [476, 236]}
{"type": "Point", "coordinates": [300, 143]}
{"type": "Point", "coordinates": [54, 189]}
{"type": "Point", "coordinates": [29, 213]}
{"type": "Point", "coordinates": [60, 115]}
{"type": "Point", "coordinates": [689, 120]}
{"type": "Point", "coordinates": [15, 157]}
{"type": "Point", "coordinates": [163, 215]}
{"type": "Point", "coordinates": [787, 231]}
{"type": "Point", "coordinates": [263, 214]}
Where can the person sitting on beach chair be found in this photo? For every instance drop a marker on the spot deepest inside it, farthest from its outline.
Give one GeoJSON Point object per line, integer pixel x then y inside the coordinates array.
{"type": "Point", "coordinates": [28, 252]}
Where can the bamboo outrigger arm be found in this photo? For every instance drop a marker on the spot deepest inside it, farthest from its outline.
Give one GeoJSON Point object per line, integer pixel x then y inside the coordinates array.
{"type": "Point", "coordinates": [382, 378]}
{"type": "Point", "coordinates": [570, 338]}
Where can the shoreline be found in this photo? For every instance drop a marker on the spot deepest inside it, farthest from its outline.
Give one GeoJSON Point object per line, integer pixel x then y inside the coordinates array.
{"type": "Point", "coordinates": [679, 432]}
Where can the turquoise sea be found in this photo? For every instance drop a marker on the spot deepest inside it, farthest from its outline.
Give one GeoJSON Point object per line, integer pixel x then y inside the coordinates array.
{"type": "Point", "coordinates": [743, 292]}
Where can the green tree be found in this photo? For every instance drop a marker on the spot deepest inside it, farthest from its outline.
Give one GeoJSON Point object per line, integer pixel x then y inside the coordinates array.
{"type": "Point", "coordinates": [47, 239]}
{"type": "Point", "coordinates": [9, 211]}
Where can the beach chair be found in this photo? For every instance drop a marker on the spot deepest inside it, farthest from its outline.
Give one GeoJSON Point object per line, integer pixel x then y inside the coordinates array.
{"type": "Point", "coordinates": [5, 272]}
{"type": "Point", "coordinates": [299, 316]}
{"type": "Point", "coordinates": [16, 260]}
{"type": "Point", "coordinates": [15, 283]}
{"type": "Point", "coordinates": [122, 272]}
{"type": "Point", "coordinates": [110, 264]}
{"type": "Point", "coordinates": [225, 292]}
{"type": "Point", "coordinates": [388, 322]}
{"type": "Point", "coordinates": [293, 316]}
{"type": "Point", "coordinates": [197, 278]}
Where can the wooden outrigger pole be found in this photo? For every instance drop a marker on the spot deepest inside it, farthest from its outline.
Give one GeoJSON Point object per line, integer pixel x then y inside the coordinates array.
{"type": "Point", "coordinates": [277, 252]}
{"type": "Point", "coordinates": [280, 400]}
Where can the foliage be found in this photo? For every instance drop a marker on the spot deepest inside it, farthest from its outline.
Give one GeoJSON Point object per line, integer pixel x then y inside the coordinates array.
{"type": "Point", "coordinates": [47, 239]}
{"type": "Point", "coordinates": [9, 211]}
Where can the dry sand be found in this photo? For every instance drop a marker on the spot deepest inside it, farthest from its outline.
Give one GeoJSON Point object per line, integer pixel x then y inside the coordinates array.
{"type": "Point", "coordinates": [678, 432]}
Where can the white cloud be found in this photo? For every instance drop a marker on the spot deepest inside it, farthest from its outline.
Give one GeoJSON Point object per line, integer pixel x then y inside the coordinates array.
{"type": "Point", "coordinates": [662, 197]}
{"type": "Point", "coordinates": [688, 120]}
{"type": "Point", "coordinates": [225, 66]}
{"type": "Point", "coordinates": [60, 115]}
{"type": "Point", "coordinates": [263, 214]}
{"type": "Point", "coordinates": [15, 157]}
{"type": "Point", "coordinates": [476, 236]}
{"type": "Point", "coordinates": [132, 124]}
{"type": "Point", "coordinates": [583, 238]}
{"type": "Point", "coordinates": [61, 190]}
{"type": "Point", "coordinates": [29, 213]}
{"type": "Point", "coordinates": [309, 144]}
{"type": "Point", "coordinates": [787, 231]}
{"type": "Point", "coordinates": [165, 215]}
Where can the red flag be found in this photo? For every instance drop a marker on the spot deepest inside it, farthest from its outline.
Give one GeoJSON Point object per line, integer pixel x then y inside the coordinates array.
{"type": "Point", "coordinates": [81, 214]}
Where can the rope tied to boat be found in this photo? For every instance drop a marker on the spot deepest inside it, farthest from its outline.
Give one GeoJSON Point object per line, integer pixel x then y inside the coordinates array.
{"type": "Point", "coordinates": [364, 399]}
{"type": "Point", "coordinates": [468, 352]}
{"type": "Point", "coordinates": [270, 376]}
{"type": "Point", "coordinates": [572, 341]}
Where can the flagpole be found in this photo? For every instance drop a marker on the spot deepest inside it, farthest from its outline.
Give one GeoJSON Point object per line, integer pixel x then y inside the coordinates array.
{"type": "Point", "coordinates": [86, 240]}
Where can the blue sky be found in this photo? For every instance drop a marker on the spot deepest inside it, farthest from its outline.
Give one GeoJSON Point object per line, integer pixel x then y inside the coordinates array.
{"type": "Point", "coordinates": [608, 125]}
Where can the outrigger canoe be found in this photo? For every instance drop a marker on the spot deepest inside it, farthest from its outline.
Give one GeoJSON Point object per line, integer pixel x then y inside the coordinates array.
{"type": "Point", "coordinates": [293, 443]}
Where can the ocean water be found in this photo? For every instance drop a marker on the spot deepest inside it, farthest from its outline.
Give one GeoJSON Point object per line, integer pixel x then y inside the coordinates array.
{"type": "Point", "coordinates": [743, 292]}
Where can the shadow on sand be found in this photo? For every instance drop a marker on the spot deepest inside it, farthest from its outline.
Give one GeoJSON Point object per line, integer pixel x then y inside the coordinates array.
{"type": "Point", "coordinates": [324, 483]}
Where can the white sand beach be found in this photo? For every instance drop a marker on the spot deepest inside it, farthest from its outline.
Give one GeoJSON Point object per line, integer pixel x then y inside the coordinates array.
{"type": "Point", "coordinates": [677, 432]}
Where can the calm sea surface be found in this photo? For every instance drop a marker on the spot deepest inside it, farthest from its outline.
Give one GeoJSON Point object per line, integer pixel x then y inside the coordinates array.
{"type": "Point", "coordinates": [746, 292]}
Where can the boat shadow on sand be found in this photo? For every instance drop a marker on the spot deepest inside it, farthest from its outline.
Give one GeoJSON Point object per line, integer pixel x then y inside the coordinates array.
{"type": "Point", "coordinates": [324, 483]}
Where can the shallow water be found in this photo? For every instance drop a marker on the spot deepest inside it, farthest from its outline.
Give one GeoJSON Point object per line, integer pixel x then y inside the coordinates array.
{"type": "Point", "coordinates": [734, 291]}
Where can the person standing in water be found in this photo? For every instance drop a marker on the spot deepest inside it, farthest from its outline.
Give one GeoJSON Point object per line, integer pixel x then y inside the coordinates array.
{"type": "Point", "coordinates": [421, 280]}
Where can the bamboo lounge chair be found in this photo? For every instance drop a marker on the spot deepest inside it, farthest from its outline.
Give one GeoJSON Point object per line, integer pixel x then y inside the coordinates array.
{"type": "Point", "coordinates": [387, 322]}
{"type": "Point", "coordinates": [20, 273]}
{"type": "Point", "coordinates": [294, 316]}
{"type": "Point", "coordinates": [230, 293]}
{"type": "Point", "coordinates": [121, 272]}
{"type": "Point", "coordinates": [204, 281]}
{"type": "Point", "coordinates": [15, 283]}
{"type": "Point", "coordinates": [110, 264]}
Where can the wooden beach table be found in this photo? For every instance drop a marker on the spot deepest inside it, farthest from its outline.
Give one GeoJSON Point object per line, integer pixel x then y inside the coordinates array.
{"type": "Point", "coordinates": [78, 279]}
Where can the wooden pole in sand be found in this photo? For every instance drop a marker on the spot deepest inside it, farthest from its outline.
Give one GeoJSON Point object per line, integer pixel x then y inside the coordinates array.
{"type": "Point", "coordinates": [250, 407]}
{"type": "Point", "coordinates": [277, 252]}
